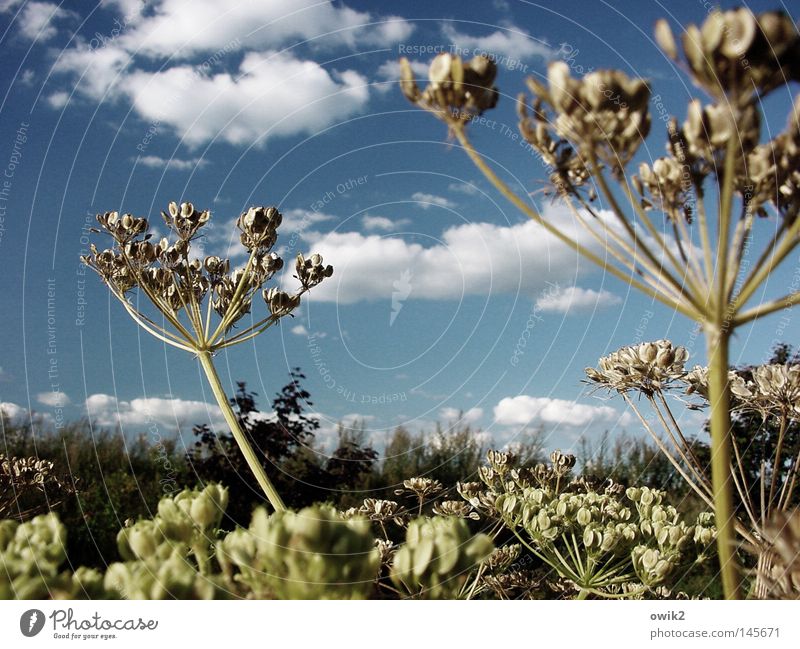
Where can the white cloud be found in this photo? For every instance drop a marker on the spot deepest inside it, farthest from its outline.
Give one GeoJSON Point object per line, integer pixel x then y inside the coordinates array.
{"type": "Point", "coordinates": [429, 200]}
{"type": "Point", "coordinates": [302, 96]}
{"type": "Point", "coordinates": [464, 188]}
{"type": "Point", "coordinates": [246, 90]}
{"type": "Point", "coordinates": [53, 399]}
{"type": "Point", "coordinates": [13, 412]}
{"type": "Point", "coordinates": [575, 298]}
{"type": "Point", "coordinates": [300, 220]}
{"type": "Point", "coordinates": [58, 99]}
{"type": "Point", "coordinates": [382, 223]}
{"type": "Point", "coordinates": [107, 410]}
{"type": "Point", "coordinates": [177, 164]}
{"type": "Point", "coordinates": [98, 71]}
{"type": "Point", "coordinates": [299, 330]}
{"type": "Point", "coordinates": [508, 46]}
{"type": "Point", "coordinates": [36, 20]}
{"type": "Point", "coordinates": [16, 415]}
{"type": "Point", "coordinates": [27, 77]}
{"type": "Point", "coordinates": [454, 415]}
{"type": "Point", "coordinates": [471, 259]}
{"type": "Point", "coordinates": [390, 70]}
{"type": "Point", "coordinates": [388, 73]}
{"type": "Point", "coordinates": [183, 28]}
{"type": "Point", "coordinates": [524, 410]}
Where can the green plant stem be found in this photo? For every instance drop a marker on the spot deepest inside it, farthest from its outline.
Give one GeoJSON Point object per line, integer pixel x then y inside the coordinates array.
{"type": "Point", "coordinates": [718, 342]}
{"type": "Point", "coordinates": [241, 439]}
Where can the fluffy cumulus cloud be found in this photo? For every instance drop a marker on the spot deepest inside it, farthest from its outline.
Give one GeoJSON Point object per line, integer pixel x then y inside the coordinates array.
{"type": "Point", "coordinates": [172, 414]}
{"type": "Point", "coordinates": [524, 410]}
{"type": "Point", "coordinates": [388, 73]}
{"type": "Point", "coordinates": [19, 416]}
{"type": "Point", "coordinates": [574, 299]}
{"type": "Point", "coordinates": [185, 28]}
{"type": "Point", "coordinates": [39, 20]}
{"type": "Point", "coordinates": [53, 399]}
{"type": "Point", "coordinates": [13, 412]}
{"type": "Point", "coordinates": [302, 96]}
{"type": "Point", "coordinates": [220, 72]}
{"type": "Point", "coordinates": [510, 46]}
{"type": "Point", "coordinates": [471, 259]}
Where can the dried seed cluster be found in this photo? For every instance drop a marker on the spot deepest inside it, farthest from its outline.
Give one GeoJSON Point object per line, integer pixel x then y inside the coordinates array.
{"type": "Point", "coordinates": [178, 283]}
{"type": "Point", "coordinates": [646, 367]}
{"type": "Point", "coordinates": [459, 90]}
{"type": "Point", "coordinates": [735, 53]}
{"type": "Point", "coordinates": [604, 115]}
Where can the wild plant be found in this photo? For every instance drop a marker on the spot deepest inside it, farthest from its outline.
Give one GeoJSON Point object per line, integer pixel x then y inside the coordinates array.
{"type": "Point", "coordinates": [680, 229]}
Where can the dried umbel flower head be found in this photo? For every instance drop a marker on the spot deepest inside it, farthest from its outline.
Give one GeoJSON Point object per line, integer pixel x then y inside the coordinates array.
{"type": "Point", "coordinates": [259, 227]}
{"type": "Point", "coordinates": [29, 486]}
{"type": "Point", "coordinates": [477, 495]}
{"type": "Point", "coordinates": [457, 508]}
{"type": "Point", "coordinates": [176, 283]}
{"type": "Point", "coordinates": [514, 584]}
{"type": "Point", "coordinates": [604, 116]}
{"type": "Point", "coordinates": [503, 557]}
{"type": "Point", "coordinates": [647, 367]}
{"type": "Point", "coordinates": [772, 171]}
{"type": "Point", "coordinates": [778, 386]}
{"type": "Point", "coordinates": [458, 91]}
{"type": "Point", "coordinates": [186, 291]}
{"type": "Point", "coordinates": [772, 389]}
{"type": "Point", "coordinates": [708, 129]}
{"type": "Point", "coordinates": [420, 487]}
{"type": "Point", "coordinates": [311, 271]}
{"type": "Point", "coordinates": [736, 54]}
{"type": "Point", "coordinates": [184, 220]}
{"type": "Point", "coordinates": [381, 511]}
{"type": "Point", "coordinates": [562, 462]}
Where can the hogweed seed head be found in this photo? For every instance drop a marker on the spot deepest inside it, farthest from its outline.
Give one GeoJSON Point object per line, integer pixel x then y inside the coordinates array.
{"type": "Point", "coordinates": [603, 115]}
{"type": "Point", "coordinates": [736, 54]}
{"type": "Point", "coordinates": [647, 367]}
{"type": "Point", "coordinates": [177, 283]}
{"type": "Point", "coordinates": [457, 91]}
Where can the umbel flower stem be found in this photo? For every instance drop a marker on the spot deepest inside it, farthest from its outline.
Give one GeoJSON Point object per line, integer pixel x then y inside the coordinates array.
{"type": "Point", "coordinates": [719, 394]}
{"type": "Point", "coordinates": [241, 439]}
{"type": "Point", "coordinates": [176, 284]}
{"type": "Point", "coordinates": [718, 343]}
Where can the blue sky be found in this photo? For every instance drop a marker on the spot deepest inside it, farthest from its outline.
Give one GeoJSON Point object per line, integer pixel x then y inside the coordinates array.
{"type": "Point", "coordinates": [444, 299]}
